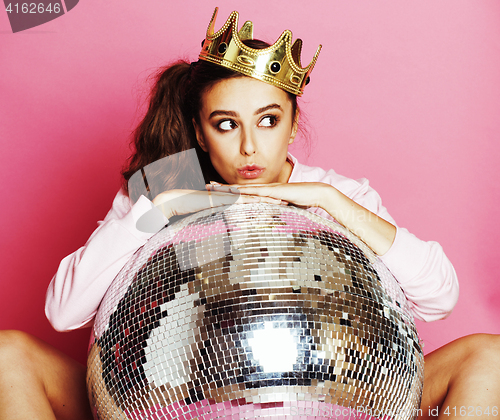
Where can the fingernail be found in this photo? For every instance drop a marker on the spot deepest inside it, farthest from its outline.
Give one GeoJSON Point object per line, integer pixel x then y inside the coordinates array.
{"type": "Point", "coordinates": [234, 190]}
{"type": "Point", "coordinates": [214, 183]}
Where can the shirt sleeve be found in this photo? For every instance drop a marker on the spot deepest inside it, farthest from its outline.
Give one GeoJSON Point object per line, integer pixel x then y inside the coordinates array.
{"type": "Point", "coordinates": [83, 277]}
{"type": "Point", "coordinates": [425, 274]}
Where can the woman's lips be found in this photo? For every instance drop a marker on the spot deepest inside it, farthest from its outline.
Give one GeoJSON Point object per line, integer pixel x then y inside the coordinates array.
{"type": "Point", "coordinates": [251, 171]}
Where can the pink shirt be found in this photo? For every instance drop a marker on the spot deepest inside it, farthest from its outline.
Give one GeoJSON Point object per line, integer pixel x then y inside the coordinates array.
{"type": "Point", "coordinates": [75, 292]}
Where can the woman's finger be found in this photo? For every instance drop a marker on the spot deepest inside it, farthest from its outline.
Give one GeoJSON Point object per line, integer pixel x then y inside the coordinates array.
{"type": "Point", "coordinates": [247, 189]}
{"type": "Point", "coordinates": [260, 199]}
{"type": "Point", "coordinates": [266, 193]}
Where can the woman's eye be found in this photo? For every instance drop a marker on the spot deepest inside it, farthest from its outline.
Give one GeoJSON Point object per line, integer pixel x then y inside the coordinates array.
{"type": "Point", "coordinates": [226, 125]}
{"type": "Point", "coordinates": [268, 121]}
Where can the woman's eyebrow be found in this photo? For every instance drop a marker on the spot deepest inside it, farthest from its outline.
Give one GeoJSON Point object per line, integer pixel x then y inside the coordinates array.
{"type": "Point", "coordinates": [222, 112]}
{"type": "Point", "coordinates": [235, 114]}
{"type": "Point", "coordinates": [268, 107]}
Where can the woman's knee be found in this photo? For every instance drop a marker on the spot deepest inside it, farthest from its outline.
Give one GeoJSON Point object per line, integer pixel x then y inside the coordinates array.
{"type": "Point", "coordinates": [483, 350]}
{"type": "Point", "coordinates": [470, 356]}
{"type": "Point", "coordinates": [18, 350]}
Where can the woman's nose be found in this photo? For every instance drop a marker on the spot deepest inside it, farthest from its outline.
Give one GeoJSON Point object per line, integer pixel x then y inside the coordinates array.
{"type": "Point", "coordinates": [248, 146]}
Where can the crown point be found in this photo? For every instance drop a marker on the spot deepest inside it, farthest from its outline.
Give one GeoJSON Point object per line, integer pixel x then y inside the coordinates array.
{"type": "Point", "coordinates": [296, 50]}
{"type": "Point", "coordinates": [288, 35]}
{"type": "Point", "coordinates": [210, 29]}
{"type": "Point", "coordinates": [246, 31]}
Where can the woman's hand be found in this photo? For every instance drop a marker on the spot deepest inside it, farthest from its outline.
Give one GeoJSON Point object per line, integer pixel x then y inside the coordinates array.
{"type": "Point", "coordinates": [376, 232]}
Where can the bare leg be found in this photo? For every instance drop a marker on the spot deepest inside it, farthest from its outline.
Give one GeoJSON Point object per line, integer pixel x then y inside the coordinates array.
{"type": "Point", "coordinates": [463, 378]}
{"type": "Point", "coordinates": [39, 382]}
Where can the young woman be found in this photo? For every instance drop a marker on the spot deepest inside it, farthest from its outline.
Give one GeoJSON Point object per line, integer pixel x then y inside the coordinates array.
{"type": "Point", "coordinates": [241, 127]}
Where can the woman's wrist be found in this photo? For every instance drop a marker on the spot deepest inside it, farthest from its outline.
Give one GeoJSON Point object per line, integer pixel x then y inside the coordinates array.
{"type": "Point", "coordinates": [376, 232]}
{"type": "Point", "coordinates": [334, 203]}
{"type": "Point", "coordinates": [322, 196]}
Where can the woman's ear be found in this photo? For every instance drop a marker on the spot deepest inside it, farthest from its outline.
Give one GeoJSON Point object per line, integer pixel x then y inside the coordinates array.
{"type": "Point", "coordinates": [199, 135]}
{"type": "Point", "coordinates": [295, 127]}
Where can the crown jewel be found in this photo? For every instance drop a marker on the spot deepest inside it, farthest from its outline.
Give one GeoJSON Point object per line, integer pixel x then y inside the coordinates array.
{"type": "Point", "coordinates": [279, 64]}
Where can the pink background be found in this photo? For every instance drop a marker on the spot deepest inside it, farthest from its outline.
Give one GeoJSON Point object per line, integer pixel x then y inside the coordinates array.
{"type": "Point", "coordinates": [405, 93]}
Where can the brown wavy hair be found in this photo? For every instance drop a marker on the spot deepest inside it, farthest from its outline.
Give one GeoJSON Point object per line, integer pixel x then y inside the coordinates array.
{"type": "Point", "coordinates": [167, 127]}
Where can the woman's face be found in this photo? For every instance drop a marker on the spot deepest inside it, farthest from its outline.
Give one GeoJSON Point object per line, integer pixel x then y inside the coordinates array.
{"type": "Point", "coordinates": [246, 126]}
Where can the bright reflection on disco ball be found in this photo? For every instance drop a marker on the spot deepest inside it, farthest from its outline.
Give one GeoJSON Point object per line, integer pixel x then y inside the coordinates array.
{"type": "Point", "coordinates": [254, 311]}
{"type": "Point", "coordinates": [274, 348]}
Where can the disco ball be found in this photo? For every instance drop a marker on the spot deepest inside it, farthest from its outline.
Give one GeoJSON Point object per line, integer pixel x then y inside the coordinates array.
{"type": "Point", "coordinates": [254, 311]}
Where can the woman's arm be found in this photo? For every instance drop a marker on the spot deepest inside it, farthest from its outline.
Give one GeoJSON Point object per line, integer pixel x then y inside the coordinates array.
{"type": "Point", "coordinates": [422, 268]}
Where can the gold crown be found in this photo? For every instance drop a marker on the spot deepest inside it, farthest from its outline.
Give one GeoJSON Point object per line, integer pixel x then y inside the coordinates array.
{"type": "Point", "coordinates": [278, 64]}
